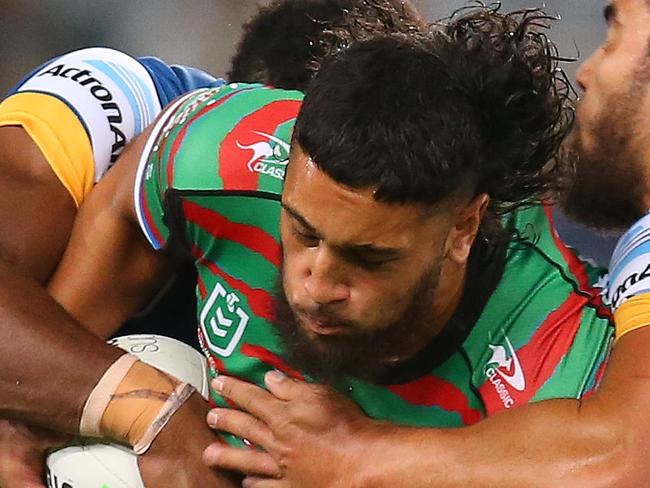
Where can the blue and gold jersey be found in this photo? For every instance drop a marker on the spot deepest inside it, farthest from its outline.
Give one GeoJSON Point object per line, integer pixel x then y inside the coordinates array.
{"type": "Point", "coordinates": [83, 107]}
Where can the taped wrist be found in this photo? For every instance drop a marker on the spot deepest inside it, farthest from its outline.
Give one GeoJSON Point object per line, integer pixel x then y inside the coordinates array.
{"type": "Point", "coordinates": [132, 403]}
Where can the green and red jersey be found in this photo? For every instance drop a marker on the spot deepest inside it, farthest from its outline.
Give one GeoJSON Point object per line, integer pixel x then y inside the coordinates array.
{"type": "Point", "coordinates": [208, 189]}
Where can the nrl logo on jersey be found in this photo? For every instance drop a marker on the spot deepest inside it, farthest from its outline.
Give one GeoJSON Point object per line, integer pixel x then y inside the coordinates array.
{"type": "Point", "coordinates": [270, 155]}
{"type": "Point", "coordinates": [222, 320]}
{"type": "Point", "coordinates": [504, 370]}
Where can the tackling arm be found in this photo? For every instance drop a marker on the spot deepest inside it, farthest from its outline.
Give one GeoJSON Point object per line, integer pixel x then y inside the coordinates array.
{"type": "Point", "coordinates": [44, 352]}
{"type": "Point", "coordinates": [599, 442]}
{"type": "Point", "coordinates": [109, 270]}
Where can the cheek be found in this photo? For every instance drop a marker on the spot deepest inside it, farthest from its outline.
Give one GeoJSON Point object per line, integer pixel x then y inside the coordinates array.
{"type": "Point", "coordinates": [596, 102]}
{"type": "Point", "coordinates": [612, 77]}
{"type": "Point", "coordinates": [377, 302]}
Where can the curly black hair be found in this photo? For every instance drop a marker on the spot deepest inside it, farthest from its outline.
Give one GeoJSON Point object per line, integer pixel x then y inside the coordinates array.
{"type": "Point", "coordinates": [509, 69]}
{"type": "Point", "coordinates": [281, 44]}
{"type": "Point", "coordinates": [476, 105]}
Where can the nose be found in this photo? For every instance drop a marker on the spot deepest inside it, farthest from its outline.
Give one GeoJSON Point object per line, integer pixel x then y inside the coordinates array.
{"type": "Point", "coordinates": [585, 70]}
{"type": "Point", "coordinates": [324, 283]}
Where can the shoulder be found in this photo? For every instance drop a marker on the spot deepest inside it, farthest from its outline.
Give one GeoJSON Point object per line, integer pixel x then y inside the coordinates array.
{"type": "Point", "coordinates": [229, 141]}
{"type": "Point", "coordinates": [232, 137]}
{"type": "Point", "coordinates": [111, 93]}
{"type": "Point", "coordinates": [81, 109]}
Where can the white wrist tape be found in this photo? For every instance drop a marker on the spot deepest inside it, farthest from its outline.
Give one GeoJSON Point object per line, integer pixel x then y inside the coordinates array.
{"type": "Point", "coordinates": [132, 403]}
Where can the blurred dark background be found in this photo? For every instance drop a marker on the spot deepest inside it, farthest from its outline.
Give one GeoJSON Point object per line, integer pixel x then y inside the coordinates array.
{"type": "Point", "coordinates": [204, 33]}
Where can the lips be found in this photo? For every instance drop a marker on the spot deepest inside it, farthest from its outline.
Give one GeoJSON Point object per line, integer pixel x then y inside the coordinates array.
{"type": "Point", "coordinates": [321, 325]}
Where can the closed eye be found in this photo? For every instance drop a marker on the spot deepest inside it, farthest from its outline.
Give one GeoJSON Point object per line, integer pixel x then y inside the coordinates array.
{"type": "Point", "coordinates": [307, 239]}
{"type": "Point", "coordinates": [370, 261]}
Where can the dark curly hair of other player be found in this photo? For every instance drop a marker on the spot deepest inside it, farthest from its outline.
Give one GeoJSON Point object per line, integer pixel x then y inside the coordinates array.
{"type": "Point", "coordinates": [281, 44]}
{"type": "Point", "coordinates": [510, 70]}
{"type": "Point", "coordinates": [479, 102]}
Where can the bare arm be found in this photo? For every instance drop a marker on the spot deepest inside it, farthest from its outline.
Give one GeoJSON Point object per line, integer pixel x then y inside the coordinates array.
{"type": "Point", "coordinates": [109, 270]}
{"type": "Point", "coordinates": [599, 442]}
{"type": "Point", "coordinates": [44, 354]}
{"type": "Point", "coordinates": [49, 363]}
{"type": "Point", "coordinates": [37, 337]}
{"type": "Point", "coordinates": [36, 211]}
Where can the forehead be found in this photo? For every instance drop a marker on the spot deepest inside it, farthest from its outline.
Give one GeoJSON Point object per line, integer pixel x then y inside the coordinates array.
{"type": "Point", "coordinates": [352, 216]}
{"type": "Point", "coordinates": [630, 21]}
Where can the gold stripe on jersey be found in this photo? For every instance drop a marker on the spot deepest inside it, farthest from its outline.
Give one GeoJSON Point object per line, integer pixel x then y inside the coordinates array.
{"type": "Point", "coordinates": [60, 136]}
{"type": "Point", "coordinates": [632, 315]}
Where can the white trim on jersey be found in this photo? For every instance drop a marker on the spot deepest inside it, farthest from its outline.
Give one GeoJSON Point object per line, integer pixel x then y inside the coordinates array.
{"type": "Point", "coordinates": [152, 140]}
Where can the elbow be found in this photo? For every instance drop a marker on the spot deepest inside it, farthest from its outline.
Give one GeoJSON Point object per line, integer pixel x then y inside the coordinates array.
{"type": "Point", "coordinates": [628, 467]}
{"type": "Point", "coordinates": [616, 453]}
{"type": "Point", "coordinates": [633, 466]}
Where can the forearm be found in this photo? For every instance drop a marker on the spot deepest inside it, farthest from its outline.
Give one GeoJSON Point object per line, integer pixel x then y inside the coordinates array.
{"type": "Point", "coordinates": [109, 270]}
{"type": "Point", "coordinates": [108, 273]}
{"type": "Point", "coordinates": [600, 442]}
{"type": "Point", "coordinates": [544, 445]}
{"type": "Point", "coordinates": [175, 442]}
{"type": "Point", "coordinates": [22, 453]}
{"type": "Point", "coordinates": [49, 363]}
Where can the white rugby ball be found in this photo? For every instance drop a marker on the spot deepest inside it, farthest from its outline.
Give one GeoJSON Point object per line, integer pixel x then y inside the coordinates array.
{"type": "Point", "coordinates": [96, 465]}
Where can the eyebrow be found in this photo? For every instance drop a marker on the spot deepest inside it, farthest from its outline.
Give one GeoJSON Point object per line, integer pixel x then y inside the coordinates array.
{"type": "Point", "coordinates": [371, 248]}
{"type": "Point", "coordinates": [609, 13]}
{"type": "Point", "coordinates": [296, 215]}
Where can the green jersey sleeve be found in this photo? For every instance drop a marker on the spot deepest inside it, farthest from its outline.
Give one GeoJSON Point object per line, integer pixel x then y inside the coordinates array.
{"type": "Point", "coordinates": [233, 138]}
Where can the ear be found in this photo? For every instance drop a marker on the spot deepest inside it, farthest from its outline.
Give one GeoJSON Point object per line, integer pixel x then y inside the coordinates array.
{"type": "Point", "coordinates": [463, 233]}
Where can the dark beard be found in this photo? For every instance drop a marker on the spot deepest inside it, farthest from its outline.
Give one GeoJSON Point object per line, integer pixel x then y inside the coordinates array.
{"type": "Point", "coordinates": [607, 191]}
{"type": "Point", "coordinates": [364, 355]}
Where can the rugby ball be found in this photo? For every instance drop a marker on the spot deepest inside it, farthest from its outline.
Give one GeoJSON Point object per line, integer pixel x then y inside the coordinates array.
{"type": "Point", "coordinates": [91, 464]}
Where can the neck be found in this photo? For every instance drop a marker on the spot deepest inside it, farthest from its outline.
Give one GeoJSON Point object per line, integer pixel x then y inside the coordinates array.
{"type": "Point", "coordinates": [449, 294]}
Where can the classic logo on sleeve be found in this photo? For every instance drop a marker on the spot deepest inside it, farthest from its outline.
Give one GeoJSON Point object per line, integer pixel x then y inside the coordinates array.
{"type": "Point", "coordinates": [270, 155]}
{"type": "Point", "coordinates": [254, 153]}
{"type": "Point", "coordinates": [504, 371]}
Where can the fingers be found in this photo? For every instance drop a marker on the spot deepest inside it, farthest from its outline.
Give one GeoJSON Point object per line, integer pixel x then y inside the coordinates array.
{"type": "Point", "coordinates": [22, 455]}
{"type": "Point", "coordinates": [251, 398]}
{"type": "Point", "coordinates": [246, 461]}
{"type": "Point", "coordinates": [256, 482]}
{"type": "Point", "coordinates": [285, 388]}
{"type": "Point", "coordinates": [242, 425]}
{"type": "Point", "coordinates": [282, 386]}
{"type": "Point", "coordinates": [16, 473]}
